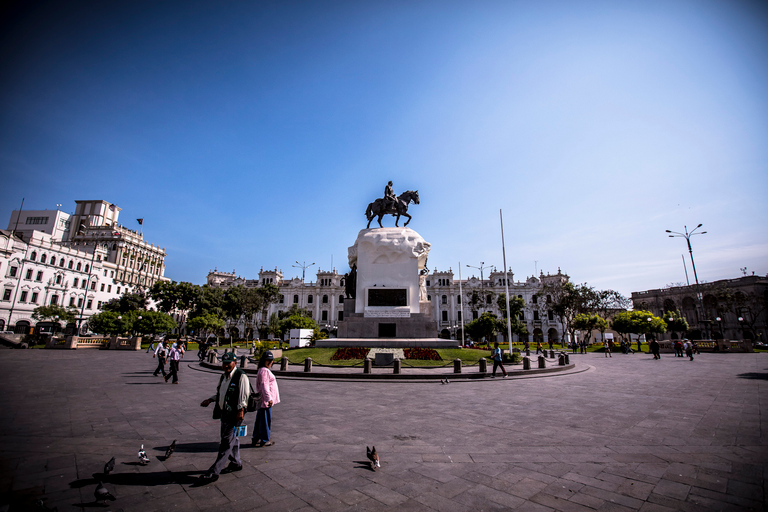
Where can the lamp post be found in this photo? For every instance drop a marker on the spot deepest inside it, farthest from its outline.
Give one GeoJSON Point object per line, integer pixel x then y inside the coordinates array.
{"type": "Point", "coordinates": [741, 323]}
{"type": "Point", "coordinates": [720, 325]}
{"type": "Point", "coordinates": [303, 266]}
{"type": "Point", "coordinates": [649, 328]}
{"type": "Point", "coordinates": [480, 268]}
{"type": "Point", "coordinates": [687, 237]}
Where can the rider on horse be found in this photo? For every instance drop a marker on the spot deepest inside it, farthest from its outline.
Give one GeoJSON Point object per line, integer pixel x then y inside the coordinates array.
{"type": "Point", "coordinates": [390, 200]}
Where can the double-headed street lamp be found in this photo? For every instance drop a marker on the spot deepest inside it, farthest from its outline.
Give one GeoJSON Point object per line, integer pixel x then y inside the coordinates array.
{"type": "Point", "coordinates": [687, 237]}
{"type": "Point", "coordinates": [303, 266]}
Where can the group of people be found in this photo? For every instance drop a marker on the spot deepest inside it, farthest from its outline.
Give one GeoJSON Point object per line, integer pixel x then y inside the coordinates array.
{"type": "Point", "coordinates": [172, 355]}
{"type": "Point", "coordinates": [231, 404]}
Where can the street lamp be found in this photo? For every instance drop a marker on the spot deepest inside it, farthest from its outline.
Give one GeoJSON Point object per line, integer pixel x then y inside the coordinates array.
{"type": "Point", "coordinates": [687, 237]}
{"type": "Point", "coordinates": [720, 324]}
{"type": "Point", "coordinates": [303, 266]}
{"type": "Point", "coordinates": [480, 268]}
{"type": "Point", "coordinates": [741, 322]}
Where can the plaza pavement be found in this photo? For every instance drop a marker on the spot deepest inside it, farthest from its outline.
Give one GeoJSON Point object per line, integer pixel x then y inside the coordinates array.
{"type": "Point", "coordinates": [630, 433]}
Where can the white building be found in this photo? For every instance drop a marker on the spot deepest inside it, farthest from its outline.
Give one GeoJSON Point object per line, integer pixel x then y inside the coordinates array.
{"type": "Point", "coordinates": [81, 261]}
{"type": "Point", "coordinates": [324, 298]}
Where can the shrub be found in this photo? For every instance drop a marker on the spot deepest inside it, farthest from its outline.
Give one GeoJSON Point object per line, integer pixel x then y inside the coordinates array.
{"type": "Point", "coordinates": [424, 354]}
{"type": "Point", "coordinates": [345, 353]}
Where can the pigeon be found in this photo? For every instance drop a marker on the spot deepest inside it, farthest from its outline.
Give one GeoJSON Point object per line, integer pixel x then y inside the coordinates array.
{"type": "Point", "coordinates": [170, 450]}
{"type": "Point", "coordinates": [41, 506]}
{"type": "Point", "coordinates": [109, 466]}
{"type": "Point", "coordinates": [442, 381]}
{"type": "Point", "coordinates": [143, 456]}
{"type": "Point", "coordinates": [373, 457]}
{"type": "Point", "coordinates": [102, 494]}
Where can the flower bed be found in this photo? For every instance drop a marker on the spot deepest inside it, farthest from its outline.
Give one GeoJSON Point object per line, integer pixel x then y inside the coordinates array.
{"type": "Point", "coordinates": [423, 354]}
{"type": "Point", "coordinates": [346, 353]}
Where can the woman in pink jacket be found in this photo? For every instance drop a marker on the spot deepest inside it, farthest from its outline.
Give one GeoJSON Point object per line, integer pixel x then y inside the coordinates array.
{"type": "Point", "coordinates": [266, 384]}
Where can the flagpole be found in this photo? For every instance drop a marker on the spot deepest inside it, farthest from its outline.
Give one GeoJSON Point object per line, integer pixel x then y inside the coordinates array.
{"type": "Point", "coordinates": [506, 283]}
{"type": "Point", "coordinates": [461, 308]}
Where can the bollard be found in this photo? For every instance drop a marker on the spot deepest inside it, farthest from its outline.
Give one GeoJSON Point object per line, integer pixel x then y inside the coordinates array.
{"type": "Point", "coordinates": [243, 362]}
{"type": "Point", "coordinates": [561, 360]}
{"type": "Point", "coordinates": [308, 365]}
{"type": "Point", "coordinates": [457, 366]}
{"type": "Point", "coordinates": [367, 365]}
{"type": "Point", "coordinates": [283, 364]}
{"type": "Point", "coordinates": [526, 363]}
{"type": "Point", "coordinates": [528, 352]}
{"type": "Point", "coordinates": [397, 365]}
{"type": "Point", "coordinates": [542, 362]}
{"type": "Point", "coordinates": [551, 354]}
{"type": "Point", "coordinates": [567, 358]}
{"type": "Point", "coordinates": [483, 365]}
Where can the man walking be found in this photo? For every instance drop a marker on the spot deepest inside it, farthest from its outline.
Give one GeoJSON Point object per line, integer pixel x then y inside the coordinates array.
{"type": "Point", "coordinates": [496, 356]}
{"type": "Point", "coordinates": [174, 355]}
{"type": "Point", "coordinates": [160, 353]}
{"type": "Point", "coordinates": [231, 401]}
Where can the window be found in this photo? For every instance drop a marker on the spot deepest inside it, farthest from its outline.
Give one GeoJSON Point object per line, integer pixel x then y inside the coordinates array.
{"type": "Point", "coordinates": [71, 301]}
{"type": "Point", "coordinates": [324, 316]}
{"type": "Point", "coordinates": [29, 273]}
{"type": "Point", "coordinates": [325, 299]}
{"type": "Point", "coordinates": [7, 294]}
{"type": "Point", "coordinates": [309, 299]}
{"type": "Point", "coordinates": [458, 299]}
{"type": "Point", "coordinates": [42, 258]}
{"type": "Point", "coordinates": [488, 299]}
{"type": "Point", "coordinates": [23, 296]}
{"type": "Point", "coordinates": [102, 286]}
{"type": "Point", "coordinates": [34, 298]}
{"type": "Point", "coordinates": [341, 316]}
{"type": "Point", "coordinates": [427, 282]}
{"type": "Point", "coordinates": [444, 299]}
{"type": "Point", "coordinates": [535, 299]}
{"type": "Point", "coordinates": [445, 316]}
{"type": "Point", "coordinates": [341, 299]}
{"type": "Point", "coordinates": [87, 267]}
{"type": "Point", "coordinates": [89, 304]}
{"type": "Point", "coordinates": [295, 299]}
{"type": "Point", "coordinates": [99, 305]}
{"type": "Point", "coordinates": [54, 299]}
{"type": "Point", "coordinates": [429, 298]}
{"type": "Point", "coordinates": [105, 273]}
{"type": "Point", "coordinates": [37, 220]}
{"type": "Point", "coordinates": [549, 299]}
{"type": "Point", "coordinates": [84, 284]}
{"type": "Point", "coordinates": [33, 256]}
{"type": "Point", "coordinates": [458, 317]}
{"type": "Point", "coordinates": [522, 316]}
{"type": "Point", "coordinates": [535, 315]}
{"type": "Point", "coordinates": [109, 288]}
{"type": "Point", "coordinates": [75, 282]}
{"type": "Point", "coordinates": [550, 315]}
{"type": "Point", "coordinates": [71, 264]}
{"type": "Point", "coordinates": [282, 299]}
{"type": "Point", "coordinates": [80, 302]}
{"type": "Point", "coordinates": [79, 265]}
{"type": "Point", "coordinates": [12, 271]}
{"type": "Point", "coordinates": [118, 290]}
{"type": "Point", "coordinates": [93, 285]}
{"type": "Point", "coordinates": [112, 273]}
{"type": "Point", "coordinates": [62, 262]}
{"type": "Point", "coordinates": [58, 279]}
{"type": "Point", "coordinates": [39, 276]}
{"type": "Point", "coordinates": [474, 315]}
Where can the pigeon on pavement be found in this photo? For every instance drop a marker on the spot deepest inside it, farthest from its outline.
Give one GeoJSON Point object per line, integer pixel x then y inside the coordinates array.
{"type": "Point", "coordinates": [373, 457]}
{"type": "Point", "coordinates": [109, 466]}
{"type": "Point", "coordinates": [143, 456]}
{"type": "Point", "coordinates": [102, 494]}
{"type": "Point", "coordinates": [170, 450]}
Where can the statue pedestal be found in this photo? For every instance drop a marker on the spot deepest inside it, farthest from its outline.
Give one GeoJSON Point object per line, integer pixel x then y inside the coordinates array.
{"type": "Point", "coordinates": [390, 297]}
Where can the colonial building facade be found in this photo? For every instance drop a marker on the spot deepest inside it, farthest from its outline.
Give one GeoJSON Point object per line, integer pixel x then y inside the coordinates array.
{"type": "Point", "coordinates": [726, 309]}
{"type": "Point", "coordinates": [82, 261]}
{"type": "Point", "coordinates": [324, 298]}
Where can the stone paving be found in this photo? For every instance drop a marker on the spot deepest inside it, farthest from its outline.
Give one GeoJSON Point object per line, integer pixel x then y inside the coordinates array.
{"type": "Point", "coordinates": [630, 433]}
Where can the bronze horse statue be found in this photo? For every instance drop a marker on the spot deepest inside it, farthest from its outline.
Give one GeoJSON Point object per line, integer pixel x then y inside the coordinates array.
{"type": "Point", "coordinates": [378, 208]}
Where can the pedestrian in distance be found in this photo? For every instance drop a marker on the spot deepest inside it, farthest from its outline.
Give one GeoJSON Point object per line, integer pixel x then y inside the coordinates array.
{"type": "Point", "coordinates": [497, 360]}
{"type": "Point", "coordinates": [653, 346]}
{"type": "Point", "coordinates": [174, 358]}
{"type": "Point", "coordinates": [538, 347]}
{"type": "Point", "coordinates": [266, 385]}
{"type": "Point", "coordinates": [231, 402]}
{"type": "Point", "coordinates": [160, 353]}
{"type": "Point", "coordinates": [202, 348]}
{"type": "Point", "coordinates": [688, 347]}
{"type": "Point", "coordinates": [607, 347]}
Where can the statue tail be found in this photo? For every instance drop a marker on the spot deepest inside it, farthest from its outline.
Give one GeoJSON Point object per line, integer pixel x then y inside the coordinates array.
{"type": "Point", "coordinates": [369, 211]}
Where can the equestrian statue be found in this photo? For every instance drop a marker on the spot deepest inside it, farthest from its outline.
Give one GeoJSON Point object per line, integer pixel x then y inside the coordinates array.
{"type": "Point", "coordinates": [391, 205]}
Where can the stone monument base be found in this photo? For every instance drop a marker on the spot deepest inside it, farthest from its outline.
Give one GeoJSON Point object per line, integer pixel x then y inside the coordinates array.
{"type": "Point", "coordinates": [388, 343]}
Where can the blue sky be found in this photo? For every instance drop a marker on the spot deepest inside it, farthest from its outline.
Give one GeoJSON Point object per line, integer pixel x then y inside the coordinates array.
{"type": "Point", "coordinates": [254, 134]}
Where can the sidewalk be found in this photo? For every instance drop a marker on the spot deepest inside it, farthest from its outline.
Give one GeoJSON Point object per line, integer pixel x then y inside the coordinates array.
{"type": "Point", "coordinates": [629, 433]}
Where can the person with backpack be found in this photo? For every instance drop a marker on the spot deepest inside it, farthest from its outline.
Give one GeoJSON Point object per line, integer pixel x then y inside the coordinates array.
{"type": "Point", "coordinates": [231, 401]}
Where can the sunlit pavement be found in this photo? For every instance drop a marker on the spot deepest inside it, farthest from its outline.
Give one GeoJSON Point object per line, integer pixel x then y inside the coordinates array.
{"type": "Point", "coordinates": [630, 433]}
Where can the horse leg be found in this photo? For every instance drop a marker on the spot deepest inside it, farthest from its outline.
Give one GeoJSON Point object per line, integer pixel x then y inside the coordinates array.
{"type": "Point", "coordinates": [369, 223]}
{"type": "Point", "coordinates": [380, 216]}
{"type": "Point", "coordinates": [409, 219]}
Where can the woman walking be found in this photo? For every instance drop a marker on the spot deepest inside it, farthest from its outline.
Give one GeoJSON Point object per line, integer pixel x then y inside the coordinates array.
{"type": "Point", "coordinates": [496, 356]}
{"type": "Point", "coordinates": [266, 384]}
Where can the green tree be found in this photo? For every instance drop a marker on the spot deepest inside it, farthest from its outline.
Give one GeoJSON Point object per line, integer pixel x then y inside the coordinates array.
{"type": "Point", "coordinates": [209, 300]}
{"type": "Point", "coordinates": [295, 322]}
{"type": "Point", "coordinates": [233, 306]}
{"type": "Point", "coordinates": [638, 322]}
{"type": "Point", "coordinates": [483, 328]}
{"type": "Point", "coordinates": [268, 294]}
{"type": "Point", "coordinates": [111, 322]}
{"type": "Point", "coordinates": [153, 322]}
{"type": "Point", "coordinates": [164, 295]}
{"type": "Point", "coordinates": [675, 322]}
{"type": "Point", "coordinates": [568, 301]}
{"type": "Point", "coordinates": [207, 323]}
{"type": "Point", "coordinates": [516, 306]}
{"type": "Point", "coordinates": [49, 313]}
{"type": "Point", "coordinates": [587, 322]}
{"type": "Point", "coordinates": [126, 302]}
